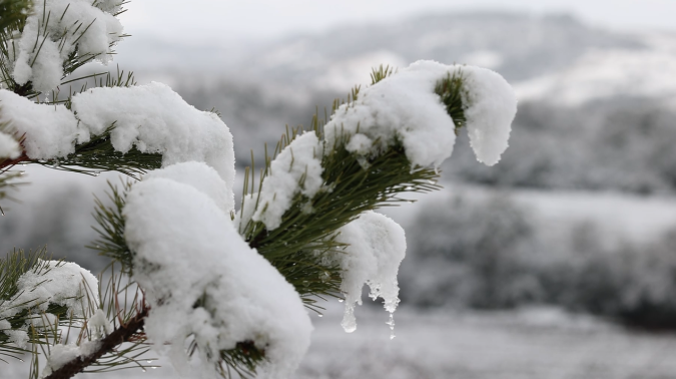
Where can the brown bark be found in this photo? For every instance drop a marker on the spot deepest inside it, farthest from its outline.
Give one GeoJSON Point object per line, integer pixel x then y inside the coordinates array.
{"type": "Point", "coordinates": [8, 163]}
{"type": "Point", "coordinates": [122, 334]}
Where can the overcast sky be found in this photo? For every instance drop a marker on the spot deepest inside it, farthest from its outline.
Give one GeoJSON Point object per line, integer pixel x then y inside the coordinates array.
{"type": "Point", "coordinates": [231, 19]}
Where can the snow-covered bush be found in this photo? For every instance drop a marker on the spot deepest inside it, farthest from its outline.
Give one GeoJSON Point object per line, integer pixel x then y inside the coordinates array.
{"type": "Point", "coordinates": [633, 284]}
{"type": "Point", "coordinates": [473, 253]}
{"type": "Point", "coordinates": [192, 274]}
{"type": "Point", "coordinates": [490, 253]}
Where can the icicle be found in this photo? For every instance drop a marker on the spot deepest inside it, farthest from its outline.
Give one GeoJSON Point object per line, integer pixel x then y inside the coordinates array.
{"type": "Point", "coordinates": [390, 322]}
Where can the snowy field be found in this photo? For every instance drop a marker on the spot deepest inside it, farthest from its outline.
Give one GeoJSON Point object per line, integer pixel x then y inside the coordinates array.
{"type": "Point", "coordinates": [534, 343]}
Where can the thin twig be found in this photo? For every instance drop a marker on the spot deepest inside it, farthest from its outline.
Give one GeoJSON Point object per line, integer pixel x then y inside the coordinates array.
{"type": "Point", "coordinates": [124, 333]}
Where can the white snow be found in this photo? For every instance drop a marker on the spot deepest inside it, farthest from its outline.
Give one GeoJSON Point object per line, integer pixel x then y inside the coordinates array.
{"type": "Point", "coordinates": [196, 256]}
{"type": "Point", "coordinates": [50, 130]}
{"type": "Point", "coordinates": [57, 28]}
{"type": "Point", "coordinates": [59, 355]}
{"type": "Point", "coordinates": [490, 107]}
{"type": "Point", "coordinates": [45, 320]}
{"type": "Point", "coordinates": [155, 119]}
{"type": "Point", "coordinates": [299, 161]}
{"type": "Point", "coordinates": [405, 107]}
{"type": "Point", "coordinates": [193, 174]}
{"type": "Point", "coordinates": [9, 147]}
{"type": "Point", "coordinates": [18, 337]}
{"type": "Point", "coordinates": [99, 325]}
{"type": "Point", "coordinates": [376, 247]}
{"type": "Point", "coordinates": [57, 283]}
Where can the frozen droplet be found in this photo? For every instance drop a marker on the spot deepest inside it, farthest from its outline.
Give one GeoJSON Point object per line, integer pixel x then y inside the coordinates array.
{"type": "Point", "coordinates": [340, 300]}
{"type": "Point", "coordinates": [149, 362]}
{"type": "Point", "coordinates": [320, 315]}
{"type": "Point", "coordinates": [390, 322]}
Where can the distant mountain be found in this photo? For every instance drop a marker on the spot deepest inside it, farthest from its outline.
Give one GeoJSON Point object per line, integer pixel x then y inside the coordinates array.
{"type": "Point", "coordinates": [596, 107]}
{"type": "Point", "coordinates": [518, 45]}
{"type": "Point", "coordinates": [611, 73]}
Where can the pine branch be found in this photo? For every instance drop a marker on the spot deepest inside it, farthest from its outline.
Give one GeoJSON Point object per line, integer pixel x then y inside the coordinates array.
{"type": "Point", "coordinates": [111, 242]}
{"type": "Point", "coordinates": [12, 267]}
{"type": "Point", "coordinates": [352, 184]}
{"type": "Point", "coordinates": [355, 184]}
{"type": "Point", "coordinates": [100, 155]}
{"type": "Point", "coordinates": [124, 333]}
{"type": "Point", "coordinates": [95, 156]}
{"type": "Point", "coordinates": [242, 359]}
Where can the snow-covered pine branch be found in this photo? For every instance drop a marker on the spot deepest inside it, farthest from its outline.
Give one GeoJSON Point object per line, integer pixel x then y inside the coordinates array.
{"type": "Point", "coordinates": [231, 286]}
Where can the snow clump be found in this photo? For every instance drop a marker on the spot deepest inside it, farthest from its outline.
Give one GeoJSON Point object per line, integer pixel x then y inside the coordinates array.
{"type": "Point", "coordinates": [203, 280]}
{"type": "Point", "coordinates": [50, 131]}
{"type": "Point", "coordinates": [404, 107]}
{"type": "Point", "coordinates": [376, 245]}
{"type": "Point", "coordinates": [55, 282]}
{"type": "Point", "coordinates": [50, 282]}
{"type": "Point", "coordinates": [490, 109]}
{"type": "Point", "coordinates": [152, 118]}
{"type": "Point", "coordinates": [301, 159]}
{"type": "Point", "coordinates": [9, 147]}
{"type": "Point", "coordinates": [155, 119]}
{"type": "Point", "coordinates": [57, 28]}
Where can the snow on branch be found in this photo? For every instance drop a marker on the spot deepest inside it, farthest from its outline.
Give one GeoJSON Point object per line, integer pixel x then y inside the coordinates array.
{"type": "Point", "coordinates": [404, 107]}
{"type": "Point", "coordinates": [155, 119]}
{"type": "Point", "coordinates": [50, 131]}
{"type": "Point", "coordinates": [35, 293]}
{"type": "Point", "coordinates": [59, 31]}
{"type": "Point", "coordinates": [151, 119]}
{"type": "Point", "coordinates": [9, 147]}
{"type": "Point", "coordinates": [375, 247]}
{"type": "Point", "coordinates": [203, 281]}
{"type": "Point", "coordinates": [240, 300]}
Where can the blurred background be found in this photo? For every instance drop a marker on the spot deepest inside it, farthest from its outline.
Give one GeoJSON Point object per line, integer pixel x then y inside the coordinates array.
{"type": "Point", "coordinates": [559, 262]}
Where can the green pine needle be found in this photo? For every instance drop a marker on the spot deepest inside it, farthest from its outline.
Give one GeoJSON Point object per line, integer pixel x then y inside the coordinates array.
{"type": "Point", "coordinates": [14, 12]}
{"type": "Point", "coordinates": [450, 90]}
{"type": "Point", "coordinates": [111, 223]}
{"type": "Point", "coordinates": [99, 155]}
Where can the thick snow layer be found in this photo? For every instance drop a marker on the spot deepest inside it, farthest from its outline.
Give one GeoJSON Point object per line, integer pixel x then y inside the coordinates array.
{"type": "Point", "coordinates": [50, 130]}
{"type": "Point", "coordinates": [490, 107]}
{"type": "Point", "coordinates": [193, 174]}
{"type": "Point", "coordinates": [155, 119]}
{"type": "Point", "coordinates": [405, 107]}
{"type": "Point", "coordinates": [402, 106]}
{"type": "Point", "coordinates": [300, 161]}
{"type": "Point", "coordinates": [202, 279]}
{"type": "Point", "coordinates": [376, 247]}
{"type": "Point", "coordinates": [56, 283]}
{"type": "Point", "coordinates": [57, 28]}
{"type": "Point", "coordinates": [9, 147]}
